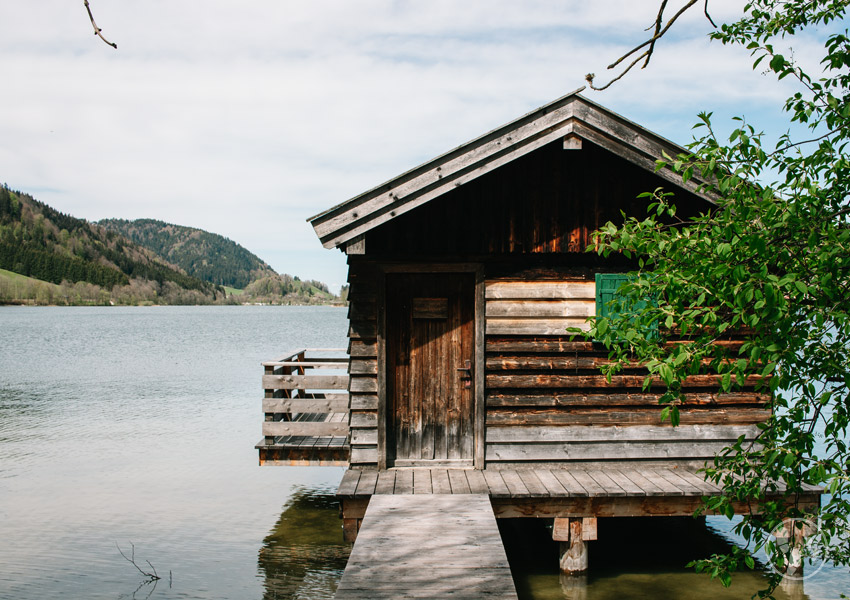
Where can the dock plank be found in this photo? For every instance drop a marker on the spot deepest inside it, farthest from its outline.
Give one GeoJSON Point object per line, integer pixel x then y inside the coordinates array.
{"type": "Point", "coordinates": [551, 483]}
{"type": "Point", "coordinates": [403, 481]}
{"type": "Point", "coordinates": [477, 483]}
{"type": "Point", "coordinates": [649, 488]}
{"type": "Point", "coordinates": [515, 484]}
{"type": "Point", "coordinates": [588, 483]}
{"type": "Point", "coordinates": [668, 488]}
{"type": "Point", "coordinates": [629, 486]}
{"type": "Point", "coordinates": [610, 486]}
{"type": "Point", "coordinates": [422, 481]}
{"type": "Point", "coordinates": [366, 485]}
{"type": "Point", "coordinates": [498, 488]}
{"type": "Point", "coordinates": [535, 487]}
{"type": "Point", "coordinates": [348, 485]}
{"type": "Point", "coordinates": [386, 482]}
{"type": "Point", "coordinates": [570, 483]}
{"type": "Point", "coordinates": [708, 488]}
{"type": "Point", "coordinates": [460, 485]}
{"type": "Point", "coordinates": [457, 551]}
{"type": "Point", "coordinates": [690, 489]}
{"type": "Point", "coordinates": [440, 481]}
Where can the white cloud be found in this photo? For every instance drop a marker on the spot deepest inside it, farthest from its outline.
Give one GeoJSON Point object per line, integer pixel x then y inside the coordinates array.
{"type": "Point", "coordinates": [246, 118]}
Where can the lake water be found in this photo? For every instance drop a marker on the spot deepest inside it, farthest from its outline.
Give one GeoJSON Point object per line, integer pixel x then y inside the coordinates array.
{"type": "Point", "coordinates": [123, 425]}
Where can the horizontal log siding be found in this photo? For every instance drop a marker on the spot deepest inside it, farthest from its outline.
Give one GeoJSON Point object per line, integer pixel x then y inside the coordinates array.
{"type": "Point", "coordinates": [538, 307]}
{"type": "Point", "coordinates": [547, 402]}
{"type": "Point", "coordinates": [363, 368]}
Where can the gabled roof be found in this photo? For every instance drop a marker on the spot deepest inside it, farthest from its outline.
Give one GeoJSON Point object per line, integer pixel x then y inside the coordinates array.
{"type": "Point", "coordinates": [572, 116]}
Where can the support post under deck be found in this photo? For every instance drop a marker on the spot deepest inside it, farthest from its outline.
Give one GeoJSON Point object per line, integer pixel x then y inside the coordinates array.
{"type": "Point", "coordinates": [573, 533]}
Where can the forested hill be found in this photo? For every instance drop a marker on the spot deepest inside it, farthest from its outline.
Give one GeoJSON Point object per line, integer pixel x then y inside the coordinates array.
{"type": "Point", "coordinates": [207, 256]}
{"type": "Point", "coordinates": [41, 242]}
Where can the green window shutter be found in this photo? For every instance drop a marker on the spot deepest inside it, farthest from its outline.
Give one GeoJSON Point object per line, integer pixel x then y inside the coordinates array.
{"type": "Point", "coordinates": [606, 289]}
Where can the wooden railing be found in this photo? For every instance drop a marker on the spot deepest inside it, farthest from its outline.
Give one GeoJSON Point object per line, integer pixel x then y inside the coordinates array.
{"type": "Point", "coordinates": [300, 403]}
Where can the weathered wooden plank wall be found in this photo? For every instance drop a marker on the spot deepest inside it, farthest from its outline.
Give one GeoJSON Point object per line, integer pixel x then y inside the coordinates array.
{"type": "Point", "coordinates": [529, 223]}
{"type": "Point", "coordinates": [547, 402]}
{"type": "Point", "coordinates": [538, 307]}
{"type": "Point", "coordinates": [363, 368]}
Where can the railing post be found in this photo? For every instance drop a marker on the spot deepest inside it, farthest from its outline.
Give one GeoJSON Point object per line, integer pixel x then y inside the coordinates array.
{"type": "Point", "coordinates": [269, 393]}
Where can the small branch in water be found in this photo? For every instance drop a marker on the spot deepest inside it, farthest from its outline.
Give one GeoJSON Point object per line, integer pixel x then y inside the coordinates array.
{"type": "Point", "coordinates": [132, 560]}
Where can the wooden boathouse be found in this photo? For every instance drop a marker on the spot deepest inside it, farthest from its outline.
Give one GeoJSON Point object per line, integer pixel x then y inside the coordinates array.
{"type": "Point", "coordinates": [459, 376]}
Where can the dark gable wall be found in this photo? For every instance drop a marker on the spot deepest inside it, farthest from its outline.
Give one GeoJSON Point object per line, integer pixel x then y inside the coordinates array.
{"type": "Point", "coordinates": [547, 202]}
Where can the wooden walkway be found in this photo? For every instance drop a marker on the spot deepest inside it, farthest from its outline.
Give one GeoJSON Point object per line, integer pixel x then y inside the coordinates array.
{"type": "Point", "coordinates": [435, 546]}
{"type": "Point", "coordinates": [528, 483]}
{"type": "Point", "coordinates": [616, 490]}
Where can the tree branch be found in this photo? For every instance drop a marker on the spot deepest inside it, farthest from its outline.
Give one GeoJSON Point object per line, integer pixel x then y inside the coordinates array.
{"type": "Point", "coordinates": [647, 54]}
{"type": "Point", "coordinates": [97, 30]}
{"type": "Point", "coordinates": [708, 16]}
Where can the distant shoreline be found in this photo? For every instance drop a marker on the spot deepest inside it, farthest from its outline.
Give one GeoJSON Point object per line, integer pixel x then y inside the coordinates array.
{"type": "Point", "coordinates": [145, 305]}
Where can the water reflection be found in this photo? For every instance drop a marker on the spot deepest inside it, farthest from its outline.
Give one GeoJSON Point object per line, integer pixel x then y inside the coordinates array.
{"type": "Point", "coordinates": [635, 558]}
{"type": "Point", "coordinates": [304, 555]}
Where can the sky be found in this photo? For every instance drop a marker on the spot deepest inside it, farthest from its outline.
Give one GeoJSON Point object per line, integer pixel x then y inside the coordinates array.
{"type": "Point", "coordinates": [246, 118]}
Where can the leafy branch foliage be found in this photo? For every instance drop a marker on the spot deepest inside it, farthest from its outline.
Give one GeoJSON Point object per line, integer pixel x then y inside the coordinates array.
{"type": "Point", "coordinates": [772, 259]}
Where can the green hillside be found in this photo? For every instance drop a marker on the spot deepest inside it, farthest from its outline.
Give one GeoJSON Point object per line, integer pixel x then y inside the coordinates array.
{"type": "Point", "coordinates": [43, 243]}
{"type": "Point", "coordinates": [207, 256]}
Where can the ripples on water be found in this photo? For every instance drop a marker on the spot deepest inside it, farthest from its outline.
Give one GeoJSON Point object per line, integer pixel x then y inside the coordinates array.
{"type": "Point", "coordinates": [304, 554]}
{"type": "Point", "coordinates": [122, 425]}
{"type": "Point", "coordinates": [138, 424]}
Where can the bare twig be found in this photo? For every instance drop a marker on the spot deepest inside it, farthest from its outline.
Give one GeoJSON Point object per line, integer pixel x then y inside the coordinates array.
{"type": "Point", "coordinates": [97, 32]}
{"type": "Point", "coordinates": [646, 55]}
{"type": "Point", "coordinates": [132, 560]}
{"type": "Point", "coordinates": [658, 21]}
{"type": "Point", "coordinates": [708, 16]}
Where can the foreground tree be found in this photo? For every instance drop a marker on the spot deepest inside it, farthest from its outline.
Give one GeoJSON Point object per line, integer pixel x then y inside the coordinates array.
{"type": "Point", "coordinates": [773, 259]}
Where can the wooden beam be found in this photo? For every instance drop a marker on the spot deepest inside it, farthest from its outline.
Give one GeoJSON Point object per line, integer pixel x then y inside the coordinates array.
{"type": "Point", "coordinates": [480, 410]}
{"type": "Point", "coordinates": [544, 326]}
{"type": "Point", "coordinates": [305, 382]}
{"type": "Point", "coordinates": [561, 529]}
{"type": "Point", "coordinates": [541, 308]}
{"type": "Point", "coordinates": [601, 381]}
{"type": "Point", "coordinates": [306, 428]}
{"type": "Point", "coordinates": [648, 416]}
{"type": "Point", "coordinates": [616, 433]}
{"type": "Point", "coordinates": [588, 529]}
{"type": "Point", "coordinates": [571, 399]}
{"type": "Point", "coordinates": [572, 142]}
{"type": "Point", "coordinates": [305, 405]}
{"type": "Point", "coordinates": [356, 245]}
{"type": "Point", "coordinates": [541, 290]}
{"type": "Point", "coordinates": [557, 452]}
{"type": "Point", "coordinates": [614, 506]}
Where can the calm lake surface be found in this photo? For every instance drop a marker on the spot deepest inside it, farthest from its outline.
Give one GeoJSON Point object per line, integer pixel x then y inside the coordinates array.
{"type": "Point", "coordinates": [123, 425]}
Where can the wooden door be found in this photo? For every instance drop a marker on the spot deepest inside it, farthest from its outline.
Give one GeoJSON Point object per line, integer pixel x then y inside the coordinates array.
{"type": "Point", "coordinates": [430, 335]}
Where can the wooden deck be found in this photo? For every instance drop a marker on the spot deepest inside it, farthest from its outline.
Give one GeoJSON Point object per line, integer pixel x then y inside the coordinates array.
{"type": "Point", "coordinates": [610, 491]}
{"type": "Point", "coordinates": [438, 546]}
{"type": "Point", "coordinates": [307, 450]}
{"type": "Point", "coordinates": [306, 412]}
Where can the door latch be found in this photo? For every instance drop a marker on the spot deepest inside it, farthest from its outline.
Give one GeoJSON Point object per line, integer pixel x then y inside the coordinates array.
{"type": "Point", "coordinates": [466, 374]}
